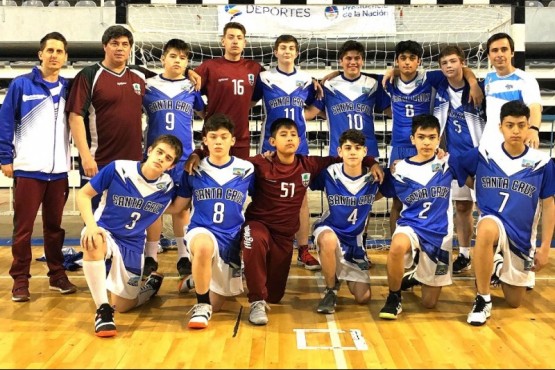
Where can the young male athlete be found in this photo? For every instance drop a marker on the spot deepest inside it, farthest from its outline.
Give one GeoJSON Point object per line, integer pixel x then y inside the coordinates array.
{"type": "Point", "coordinates": [170, 103]}
{"type": "Point", "coordinates": [218, 191]}
{"type": "Point", "coordinates": [350, 190]}
{"type": "Point", "coordinates": [134, 195]}
{"type": "Point", "coordinates": [514, 184]}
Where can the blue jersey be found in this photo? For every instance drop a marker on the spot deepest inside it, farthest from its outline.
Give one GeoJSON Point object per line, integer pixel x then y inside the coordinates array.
{"type": "Point", "coordinates": [170, 106]}
{"type": "Point", "coordinates": [425, 190]}
{"type": "Point", "coordinates": [460, 120]}
{"type": "Point", "coordinates": [130, 203]}
{"type": "Point", "coordinates": [349, 104]}
{"type": "Point", "coordinates": [510, 188]}
{"type": "Point", "coordinates": [284, 95]}
{"type": "Point", "coordinates": [218, 194]}
{"type": "Point", "coordinates": [409, 99]}
{"type": "Point", "coordinates": [350, 201]}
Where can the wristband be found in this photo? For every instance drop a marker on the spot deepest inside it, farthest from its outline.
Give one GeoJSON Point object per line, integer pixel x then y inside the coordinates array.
{"type": "Point", "coordinates": [535, 128]}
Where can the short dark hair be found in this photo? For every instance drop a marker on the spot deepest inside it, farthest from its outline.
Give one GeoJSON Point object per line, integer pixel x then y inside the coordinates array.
{"type": "Point", "coordinates": [52, 36]}
{"type": "Point", "coordinates": [352, 135]}
{"type": "Point", "coordinates": [176, 44]}
{"type": "Point", "coordinates": [450, 50]}
{"type": "Point", "coordinates": [282, 122]}
{"type": "Point", "coordinates": [351, 45]}
{"type": "Point", "coordinates": [424, 121]}
{"type": "Point", "coordinates": [514, 108]}
{"type": "Point", "coordinates": [115, 32]}
{"type": "Point", "coordinates": [286, 38]}
{"type": "Point", "coordinates": [216, 122]}
{"type": "Point", "coordinates": [500, 36]}
{"type": "Point", "coordinates": [235, 25]}
{"type": "Point", "coordinates": [412, 47]}
{"type": "Point", "coordinates": [173, 142]}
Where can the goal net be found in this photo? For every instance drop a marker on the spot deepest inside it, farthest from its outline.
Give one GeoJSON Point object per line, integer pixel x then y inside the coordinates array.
{"type": "Point", "coordinates": [321, 30]}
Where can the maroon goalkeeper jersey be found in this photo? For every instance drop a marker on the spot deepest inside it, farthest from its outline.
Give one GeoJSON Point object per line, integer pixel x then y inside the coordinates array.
{"type": "Point", "coordinates": [228, 87]}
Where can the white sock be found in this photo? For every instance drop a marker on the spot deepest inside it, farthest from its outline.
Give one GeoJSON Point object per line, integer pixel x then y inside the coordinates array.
{"type": "Point", "coordinates": [151, 249]}
{"type": "Point", "coordinates": [181, 248]}
{"type": "Point", "coordinates": [95, 274]}
{"type": "Point", "coordinates": [487, 297]}
{"type": "Point", "coordinates": [465, 251]}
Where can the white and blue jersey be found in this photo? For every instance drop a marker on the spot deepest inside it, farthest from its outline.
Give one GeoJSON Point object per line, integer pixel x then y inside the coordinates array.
{"type": "Point", "coordinates": [170, 106]}
{"type": "Point", "coordinates": [349, 104]}
{"type": "Point", "coordinates": [510, 188]}
{"type": "Point", "coordinates": [350, 201]}
{"type": "Point", "coordinates": [460, 120]}
{"type": "Point", "coordinates": [218, 194]}
{"type": "Point", "coordinates": [499, 90]}
{"type": "Point", "coordinates": [409, 99]}
{"type": "Point", "coordinates": [284, 95]}
{"type": "Point", "coordinates": [425, 190]}
{"type": "Point", "coordinates": [130, 204]}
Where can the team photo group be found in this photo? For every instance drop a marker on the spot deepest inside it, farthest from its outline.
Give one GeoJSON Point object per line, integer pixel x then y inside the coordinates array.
{"type": "Point", "coordinates": [460, 147]}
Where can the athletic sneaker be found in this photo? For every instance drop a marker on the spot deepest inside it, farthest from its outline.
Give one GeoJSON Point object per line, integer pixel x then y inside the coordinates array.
{"type": "Point", "coordinates": [392, 307]}
{"type": "Point", "coordinates": [495, 281]}
{"type": "Point", "coordinates": [461, 264]}
{"type": "Point", "coordinates": [328, 303]}
{"type": "Point", "coordinates": [305, 259]}
{"type": "Point", "coordinates": [409, 281]}
{"type": "Point", "coordinates": [258, 316]}
{"type": "Point", "coordinates": [186, 284]}
{"type": "Point", "coordinates": [184, 267]}
{"type": "Point", "coordinates": [104, 325]}
{"type": "Point", "coordinates": [21, 293]}
{"type": "Point", "coordinates": [481, 311]}
{"type": "Point", "coordinates": [63, 285]}
{"type": "Point", "coordinates": [150, 266]}
{"type": "Point", "coordinates": [202, 312]}
{"type": "Point", "coordinates": [154, 282]}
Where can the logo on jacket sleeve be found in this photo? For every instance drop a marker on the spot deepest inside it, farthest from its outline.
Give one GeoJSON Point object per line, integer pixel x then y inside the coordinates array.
{"type": "Point", "coordinates": [306, 179]}
{"type": "Point", "coordinates": [137, 88]}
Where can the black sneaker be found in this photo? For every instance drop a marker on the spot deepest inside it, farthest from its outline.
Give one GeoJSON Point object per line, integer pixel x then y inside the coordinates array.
{"type": "Point", "coordinates": [104, 325]}
{"type": "Point", "coordinates": [150, 266]}
{"type": "Point", "coordinates": [409, 281]}
{"type": "Point", "coordinates": [392, 307]}
{"type": "Point", "coordinates": [461, 264]}
{"type": "Point", "coordinates": [327, 304]}
{"type": "Point", "coordinates": [154, 282]}
{"type": "Point", "coordinates": [184, 267]}
{"type": "Point", "coordinates": [495, 281]}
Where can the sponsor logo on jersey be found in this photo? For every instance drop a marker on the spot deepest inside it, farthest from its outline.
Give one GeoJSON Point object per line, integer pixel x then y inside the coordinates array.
{"type": "Point", "coordinates": [33, 97]}
{"type": "Point", "coordinates": [250, 76]}
{"type": "Point", "coordinates": [299, 83]}
{"type": "Point", "coordinates": [331, 12]}
{"type": "Point", "coordinates": [238, 171]}
{"type": "Point", "coordinates": [223, 79]}
{"type": "Point", "coordinates": [121, 83]}
{"type": "Point", "coordinates": [527, 163]}
{"type": "Point", "coordinates": [137, 88]}
{"type": "Point", "coordinates": [247, 238]}
{"type": "Point", "coordinates": [509, 86]}
{"type": "Point", "coordinates": [436, 167]}
{"type": "Point", "coordinates": [366, 90]}
{"type": "Point", "coordinates": [306, 179]}
{"type": "Point", "coordinates": [134, 281]}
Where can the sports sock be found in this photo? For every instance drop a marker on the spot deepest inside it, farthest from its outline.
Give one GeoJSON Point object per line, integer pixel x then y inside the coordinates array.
{"type": "Point", "coordinates": [487, 297]}
{"type": "Point", "coordinates": [465, 251]}
{"type": "Point", "coordinates": [204, 298]}
{"type": "Point", "coordinates": [151, 249]}
{"type": "Point", "coordinates": [95, 274]}
{"type": "Point", "coordinates": [181, 248]}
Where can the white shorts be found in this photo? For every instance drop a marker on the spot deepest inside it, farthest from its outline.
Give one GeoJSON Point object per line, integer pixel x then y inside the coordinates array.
{"type": "Point", "coordinates": [427, 272]}
{"type": "Point", "coordinates": [464, 193]}
{"type": "Point", "coordinates": [120, 281]}
{"type": "Point", "coordinates": [515, 270]}
{"type": "Point", "coordinates": [344, 270]}
{"type": "Point", "coordinates": [226, 281]}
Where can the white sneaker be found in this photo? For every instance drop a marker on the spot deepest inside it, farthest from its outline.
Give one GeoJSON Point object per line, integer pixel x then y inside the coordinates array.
{"type": "Point", "coordinates": [258, 316]}
{"type": "Point", "coordinates": [202, 312]}
{"type": "Point", "coordinates": [186, 284]}
{"type": "Point", "coordinates": [481, 311]}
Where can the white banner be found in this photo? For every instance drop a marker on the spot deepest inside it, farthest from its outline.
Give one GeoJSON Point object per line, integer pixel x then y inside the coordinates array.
{"type": "Point", "coordinates": [337, 20]}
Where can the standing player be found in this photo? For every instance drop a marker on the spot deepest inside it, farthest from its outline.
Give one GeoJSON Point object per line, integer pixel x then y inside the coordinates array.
{"type": "Point", "coordinates": [508, 83]}
{"type": "Point", "coordinates": [423, 183]}
{"type": "Point", "coordinates": [273, 216]}
{"type": "Point", "coordinates": [351, 191]}
{"type": "Point", "coordinates": [170, 102]}
{"type": "Point", "coordinates": [514, 183]}
{"type": "Point", "coordinates": [134, 195]}
{"type": "Point", "coordinates": [411, 95]}
{"type": "Point", "coordinates": [228, 83]}
{"type": "Point", "coordinates": [462, 124]}
{"type": "Point", "coordinates": [34, 151]}
{"type": "Point", "coordinates": [285, 91]}
{"type": "Point", "coordinates": [218, 190]}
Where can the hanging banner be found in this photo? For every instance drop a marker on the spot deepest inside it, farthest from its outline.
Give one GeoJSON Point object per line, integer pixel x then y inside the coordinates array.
{"type": "Point", "coordinates": [338, 20]}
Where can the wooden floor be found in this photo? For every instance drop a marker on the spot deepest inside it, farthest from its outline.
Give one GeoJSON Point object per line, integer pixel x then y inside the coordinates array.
{"type": "Point", "coordinates": [54, 331]}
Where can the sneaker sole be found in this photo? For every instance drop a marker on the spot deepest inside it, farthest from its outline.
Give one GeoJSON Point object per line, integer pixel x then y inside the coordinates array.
{"type": "Point", "coordinates": [197, 325]}
{"type": "Point", "coordinates": [258, 323]}
{"type": "Point", "coordinates": [467, 268]}
{"type": "Point", "coordinates": [70, 291]}
{"type": "Point", "coordinates": [388, 316]}
{"type": "Point", "coordinates": [309, 267]}
{"type": "Point", "coordinates": [106, 333]}
{"type": "Point", "coordinates": [21, 299]}
{"type": "Point", "coordinates": [326, 312]}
